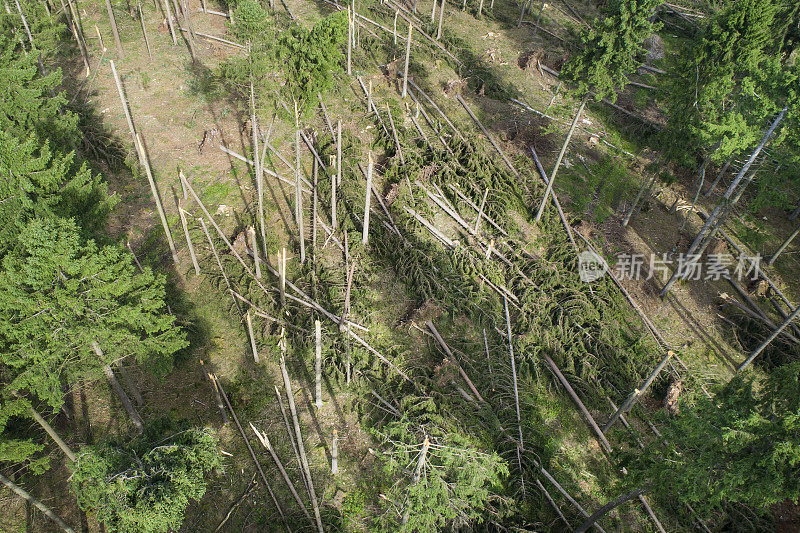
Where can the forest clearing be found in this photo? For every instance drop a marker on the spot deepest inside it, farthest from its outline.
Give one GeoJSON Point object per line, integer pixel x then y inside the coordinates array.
{"type": "Point", "coordinates": [487, 265]}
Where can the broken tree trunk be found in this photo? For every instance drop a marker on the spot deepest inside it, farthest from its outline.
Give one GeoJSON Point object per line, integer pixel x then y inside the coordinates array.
{"type": "Point", "coordinates": [251, 233]}
{"type": "Point", "coordinates": [156, 197]}
{"type": "Point", "coordinates": [335, 452]}
{"type": "Point", "coordinates": [633, 398]}
{"type": "Point", "coordinates": [290, 433]}
{"type": "Point", "coordinates": [578, 402]}
{"type": "Point", "coordinates": [367, 195]}
{"type": "Point", "coordinates": [248, 319]}
{"type": "Point", "coordinates": [300, 446]}
{"type": "Point", "coordinates": [712, 221]}
{"type": "Point", "coordinates": [768, 340]}
{"type": "Point", "coordinates": [268, 445]}
{"type": "Point", "coordinates": [250, 449]}
{"type": "Point", "coordinates": [217, 397]}
{"type": "Point", "coordinates": [560, 158]}
{"type": "Point", "coordinates": [114, 28]}
{"type": "Point", "coordinates": [52, 432]}
{"type": "Point", "coordinates": [423, 454]}
{"type": "Point", "coordinates": [189, 244]}
{"type": "Point", "coordinates": [22, 493]}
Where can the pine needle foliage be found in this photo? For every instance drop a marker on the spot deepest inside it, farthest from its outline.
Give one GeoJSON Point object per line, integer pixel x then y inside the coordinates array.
{"type": "Point", "coordinates": [145, 485]}
{"type": "Point", "coordinates": [59, 293]}
{"type": "Point", "coordinates": [612, 49]}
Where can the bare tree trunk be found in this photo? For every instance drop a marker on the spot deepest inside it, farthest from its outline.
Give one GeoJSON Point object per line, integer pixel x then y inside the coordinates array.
{"type": "Point", "coordinates": [578, 402]}
{"type": "Point", "coordinates": [408, 58]}
{"type": "Point", "coordinates": [52, 432]}
{"type": "Point", "coordinates": [768, 341]}
{"type": "Point", "coordinates": [298, 195]}
{"type": "Point", "coordinates": [701, 176]}
{"type": "Point", "coordinates": [719, 177]}
{"type": "Point", "coordinates": [282, 276]}
{"type": "Point", "coordinates": [783, 246]}
{"type": "Point", "coordinates": [631, 400]}
{"type": "Point", "coordinates": [552, 180]}
{"type": "Point", "coordinates": [144, 31]}
{"type": "Point", "coordinates": [337, 178]}
{"type": "Point", "coordinates": [516, 392]}
{"type": "Point", "coordinates": [702, 239]}
{"type": "Point", "coordinates": [114, 28]}
{"type": "Point", "coordinates": [318, 362]}
{"type": "Point", "coordinates": [156, 198]}
{"type": "Point", "coordinates": [606, 508]}
{"type": "Point", "coordinates": [641, 194]}
{"type": "Point", "coordinates": [349, 41]}
{"type": "Point", "coordinates": [441, 19]}
{"type": "Point", "coordinates": [367, 195]}
{"type": "Point", "coordinates": [300, 446]}
{"type": "Point", "coordinates": [170, 22]}
{"type": "Point", "coordinates": [126, 402]}
{"type": "Point", "coordinates": [22, 493]}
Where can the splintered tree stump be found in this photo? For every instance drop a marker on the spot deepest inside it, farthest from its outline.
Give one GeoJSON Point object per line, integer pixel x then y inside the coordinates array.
{"type": "Point", "coordinates": [671, 398]}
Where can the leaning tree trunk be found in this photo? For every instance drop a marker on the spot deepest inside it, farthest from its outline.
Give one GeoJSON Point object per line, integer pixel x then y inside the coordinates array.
{"type": "Point", "coordinates": [123, 397]}
{"type": "Point", "coordinates": [702, 238]}
{"type": "Point", "coordinates": [50, 431]}
{"type": "Point", "coordinates": [549, 187]}
{"type": "Point", "coordinates": [783, 246]}
{"type": "Point", "coordinates": [22, 493]}
{"type": "Point", "coordinates": [701, 177]}
{"type": "Point", "coordinates": [769, 340]}
{"type": "Point", "coordinates": [608, 507]}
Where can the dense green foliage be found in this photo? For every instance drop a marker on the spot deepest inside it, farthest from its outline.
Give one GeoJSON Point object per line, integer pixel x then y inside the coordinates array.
{"type": "Point", "coordinates": [60, 290]}
{"type": "Point", "coordinates": [312, 57]}
{"type": "Point", "coordinates": [60, 293]}
{"type": "Point", "coordinates": [457, 483]}
{"type": "Point", "coordinates": [306, 60]}
{"type": "Point", "coordinates": [612, 50]}
{"type": "Point", "coordinates": [145, 485]}
{"type": "Point", "coordinates": [724, 86]}
{"type": "Point", "coordinates": [741, 446]}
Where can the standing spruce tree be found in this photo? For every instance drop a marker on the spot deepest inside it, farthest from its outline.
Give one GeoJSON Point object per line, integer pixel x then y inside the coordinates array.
{"type": "Point", "coordinates": [741, 446]}
{"type": "Point", "coordinates": [59, 294]}
{"type": "Point", "coordinates": [144, 486]}
{"type": "Point", "coordinates": [612, 50]}
{"type": "Point", "coordinates": [37, 183]}
{"type": "Point", "coordinates": [710, 95]}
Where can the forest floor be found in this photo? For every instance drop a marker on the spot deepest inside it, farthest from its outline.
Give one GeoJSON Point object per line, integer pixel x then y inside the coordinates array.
{"type": "Point", "coordinates": [183, 129]}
